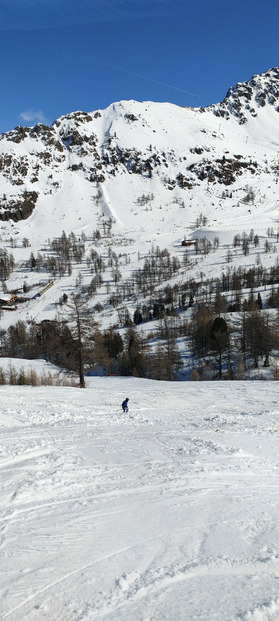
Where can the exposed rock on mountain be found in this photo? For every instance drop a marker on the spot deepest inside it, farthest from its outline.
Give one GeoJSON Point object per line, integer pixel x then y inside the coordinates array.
{"type": "Point", "coordinates": [20, 208]}
{"type": "Point", "coordinates": [247, 97]}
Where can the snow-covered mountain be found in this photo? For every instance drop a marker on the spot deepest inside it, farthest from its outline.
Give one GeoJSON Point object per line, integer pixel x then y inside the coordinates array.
{"type": "Point", "coordinates": [152, 173]}
{"type": "Point", "coordinates": [58, 172]}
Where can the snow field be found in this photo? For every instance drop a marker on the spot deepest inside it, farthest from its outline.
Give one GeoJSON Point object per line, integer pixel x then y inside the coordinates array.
{"type": "Point", "coordinates": [167, 513]}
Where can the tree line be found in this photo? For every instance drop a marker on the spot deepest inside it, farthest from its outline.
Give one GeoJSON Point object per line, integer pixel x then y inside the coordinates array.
{"type": "Point", "coordinates": [212, 339]}
{"type": "Point", "coordinates": [75, 342]}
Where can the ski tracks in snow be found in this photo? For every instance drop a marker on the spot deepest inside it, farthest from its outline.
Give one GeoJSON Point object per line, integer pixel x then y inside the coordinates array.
{"type": "Point", "coordinates": [110, 517]}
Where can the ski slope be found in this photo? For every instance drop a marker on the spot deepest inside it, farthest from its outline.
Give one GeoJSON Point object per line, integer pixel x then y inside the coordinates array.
{"type": "Point", "coordinates": [169, 513]}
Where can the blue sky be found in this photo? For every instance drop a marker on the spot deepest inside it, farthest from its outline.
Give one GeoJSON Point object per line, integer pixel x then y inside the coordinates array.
{"type": "Point", "coordinates": [58, 56]}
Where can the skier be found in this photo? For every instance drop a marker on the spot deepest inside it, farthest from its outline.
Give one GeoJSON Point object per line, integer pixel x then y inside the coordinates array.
{"type": "Point", "coordinates": [125, 405]}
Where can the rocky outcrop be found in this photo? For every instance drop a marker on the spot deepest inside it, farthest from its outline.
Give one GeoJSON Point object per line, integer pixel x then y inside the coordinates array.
{"type": "Point", "coordinates": [18, 209]}
{"type": "Point", "coordinates": [246, 98]}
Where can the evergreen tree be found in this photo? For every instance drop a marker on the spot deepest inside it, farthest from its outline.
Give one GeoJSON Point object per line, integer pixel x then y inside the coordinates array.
{"type": "Point", "coordinates": [219, 340]}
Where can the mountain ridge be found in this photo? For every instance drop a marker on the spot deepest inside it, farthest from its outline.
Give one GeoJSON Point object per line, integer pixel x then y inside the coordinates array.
{"type": "Point", "coordinates": [104, 144]}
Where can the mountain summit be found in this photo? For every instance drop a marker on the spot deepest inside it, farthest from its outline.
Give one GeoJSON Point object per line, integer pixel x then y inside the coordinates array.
{"type": "Point", "coordinates": [247, 97]}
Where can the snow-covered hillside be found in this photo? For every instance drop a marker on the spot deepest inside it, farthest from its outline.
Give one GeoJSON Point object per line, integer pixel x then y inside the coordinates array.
{"type": "Point", "coordinates": [167, 513]}
{"type": "Point", "coordinates": [135, 176]}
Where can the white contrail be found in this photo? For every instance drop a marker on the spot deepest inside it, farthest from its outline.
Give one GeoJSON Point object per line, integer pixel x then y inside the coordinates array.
{"type": "Point", "coordinates": [145, 77]}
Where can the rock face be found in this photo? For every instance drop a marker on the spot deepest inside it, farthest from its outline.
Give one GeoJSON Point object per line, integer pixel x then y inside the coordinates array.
{"type": "Point", "coordinates": [246, 98]}
{"type": "Point", "coordinates": [179, 147]}
{"type": "Point", "coordinates": [20, 208]}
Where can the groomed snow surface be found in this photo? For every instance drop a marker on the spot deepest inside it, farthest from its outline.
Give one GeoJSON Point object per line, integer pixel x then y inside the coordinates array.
{"type": "Point", "coordinates": [169, 512]}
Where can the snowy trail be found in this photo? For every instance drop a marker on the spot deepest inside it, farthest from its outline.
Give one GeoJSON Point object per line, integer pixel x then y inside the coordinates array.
{"type": "Point", "coordinates": [168, 514]}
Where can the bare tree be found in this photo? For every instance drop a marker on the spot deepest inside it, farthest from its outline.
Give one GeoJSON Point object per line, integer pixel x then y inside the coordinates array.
{"type": "Point", "coordinates": [258, 338]}
{"type": "Point", "coordinates": [82, 327]}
